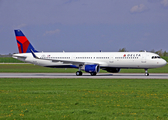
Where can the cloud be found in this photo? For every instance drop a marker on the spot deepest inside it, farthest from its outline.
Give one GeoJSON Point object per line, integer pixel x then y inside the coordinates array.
{"type": "Point", "coordinates": [138, 8]}
{"type": "Point", "coordinates": [164, 3]}
{"type": "Point", "coordinates": [57, 31]}
{"type": "Point", "coordinates": [21, 25]}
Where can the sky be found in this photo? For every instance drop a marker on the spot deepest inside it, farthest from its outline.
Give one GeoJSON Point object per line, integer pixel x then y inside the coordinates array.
{"type": "Point", "coordinates": [85, 25]}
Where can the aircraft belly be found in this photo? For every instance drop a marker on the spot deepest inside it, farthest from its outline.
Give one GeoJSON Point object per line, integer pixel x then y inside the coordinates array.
{"type": "Point", "coordinates": [125, 64]}
{"type": "Point", "coordinates": [133, 64]}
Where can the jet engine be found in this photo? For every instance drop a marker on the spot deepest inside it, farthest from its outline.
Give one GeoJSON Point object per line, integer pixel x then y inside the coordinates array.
{"type": "Point", "coordinates": [91, 68]}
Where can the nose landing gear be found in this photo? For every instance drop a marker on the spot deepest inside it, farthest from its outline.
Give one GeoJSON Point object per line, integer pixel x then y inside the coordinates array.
{"type": "Point", "coordinates": [146, 72]}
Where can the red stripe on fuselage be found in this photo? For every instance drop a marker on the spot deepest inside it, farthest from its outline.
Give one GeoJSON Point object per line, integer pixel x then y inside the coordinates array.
{"type": "Point", "coordinates": [25, 43]}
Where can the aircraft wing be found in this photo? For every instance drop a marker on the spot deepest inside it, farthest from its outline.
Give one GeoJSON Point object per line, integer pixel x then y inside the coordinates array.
{"type": "Point", "coordinates": [78, 63]}
{"type": "Point", "coordinates": [68, 62]}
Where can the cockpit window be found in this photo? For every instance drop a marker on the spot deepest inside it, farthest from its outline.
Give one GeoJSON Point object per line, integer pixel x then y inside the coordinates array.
{"type": "Point", "coordinates": [155, 57]}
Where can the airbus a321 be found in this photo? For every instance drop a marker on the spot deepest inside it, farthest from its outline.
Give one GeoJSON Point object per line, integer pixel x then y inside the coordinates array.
{"type": "Point", "coordinates": [90, 62]}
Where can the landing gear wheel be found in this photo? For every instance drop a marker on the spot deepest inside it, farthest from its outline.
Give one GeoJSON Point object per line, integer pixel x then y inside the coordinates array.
{"type": "Point", "coordinates": [93, 74]}
{"type": "Point", "coordinates": [78, 73]}
{"type": "Point", "coordinates": [146, 72]}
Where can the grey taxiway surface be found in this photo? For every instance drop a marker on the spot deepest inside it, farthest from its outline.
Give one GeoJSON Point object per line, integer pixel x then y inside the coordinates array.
{"type": "Point", "coordinates": [86, 75]}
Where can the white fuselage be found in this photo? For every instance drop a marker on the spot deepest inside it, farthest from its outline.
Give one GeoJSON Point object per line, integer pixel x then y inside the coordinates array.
{"type": "Point", "coordinates": [104, 59]}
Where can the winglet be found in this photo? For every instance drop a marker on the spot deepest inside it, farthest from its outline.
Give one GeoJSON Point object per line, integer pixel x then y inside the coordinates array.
{"type": "Point", "coordinates": [34, 54]}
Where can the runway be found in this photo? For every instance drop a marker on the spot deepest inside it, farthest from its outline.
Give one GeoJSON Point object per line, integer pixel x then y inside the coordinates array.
{"type": "Point", "coordinates": [86, 75]}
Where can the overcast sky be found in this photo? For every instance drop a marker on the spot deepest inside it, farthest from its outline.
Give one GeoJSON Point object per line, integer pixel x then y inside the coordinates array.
{"type": "Point", "coordinates": [85, 25]}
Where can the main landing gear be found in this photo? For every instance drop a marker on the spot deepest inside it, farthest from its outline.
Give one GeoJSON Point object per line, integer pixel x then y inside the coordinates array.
{"type": "Point", "coordinates": [79, 73]}
{"type": "Point", "coordinates": [146, 72]}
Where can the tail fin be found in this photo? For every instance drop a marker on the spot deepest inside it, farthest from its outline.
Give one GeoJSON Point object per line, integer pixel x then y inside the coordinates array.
{"type": "Point", "coordinates": [23, 43]}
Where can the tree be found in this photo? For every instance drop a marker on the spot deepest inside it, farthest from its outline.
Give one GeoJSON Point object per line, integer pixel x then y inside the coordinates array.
{"type": "Point", "coordinates": [165, 53]}
{"type": "Point", "coordinates": [159, 52]}
{"type": "Point", "coordinates": [123, 50]}
{"type": "Point", "coordinates": [152, 51]}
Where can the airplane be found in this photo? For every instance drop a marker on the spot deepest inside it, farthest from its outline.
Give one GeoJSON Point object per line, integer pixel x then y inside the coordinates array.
{"type": "Point", "coordinates": [90, 62]}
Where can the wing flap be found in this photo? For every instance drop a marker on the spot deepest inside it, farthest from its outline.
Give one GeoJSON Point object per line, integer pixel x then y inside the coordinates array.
{"type": "Point", "coordinates": [67, 61]}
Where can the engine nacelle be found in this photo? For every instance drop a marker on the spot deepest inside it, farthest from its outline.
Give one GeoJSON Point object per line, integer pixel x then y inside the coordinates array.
{"type": "Point", "coordinates": [91, 68]}
{"type": "Point", "coordinates": [112, 70]}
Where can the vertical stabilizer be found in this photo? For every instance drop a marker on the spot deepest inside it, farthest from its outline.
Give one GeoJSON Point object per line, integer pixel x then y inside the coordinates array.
{"type": "Point", "coordinates": [23, 43]}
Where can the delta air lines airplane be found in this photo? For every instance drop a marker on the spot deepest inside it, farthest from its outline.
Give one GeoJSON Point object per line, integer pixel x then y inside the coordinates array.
{"type": "Point", "coordinates": [90, 62]}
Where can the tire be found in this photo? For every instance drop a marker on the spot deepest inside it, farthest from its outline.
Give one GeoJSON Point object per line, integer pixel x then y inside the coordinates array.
{"type": "Point", "coordinates": [147, 74]}
{"type": "Point", "coordinates": [78, 73]}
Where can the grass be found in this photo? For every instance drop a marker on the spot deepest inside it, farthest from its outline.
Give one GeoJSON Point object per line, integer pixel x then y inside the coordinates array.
{"type": "Point", "coordinates": [9, 60]}
{"type": "Point", "coordinates": [165, 57]}
{"type": "Point", "coordinates": [29, 68]}
{"type": "Point", "coordinates": [83, 99]}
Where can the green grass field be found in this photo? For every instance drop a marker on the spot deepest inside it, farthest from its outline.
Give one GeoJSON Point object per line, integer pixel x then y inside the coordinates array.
{"type": "Point", "coordinates": [9, 60]}
{"type": "Point", "coordinates": [83, 99]}
{"type": "Point", "coordinates": [29, 68]}
{"type": "Point", "coordinates": [165, 57]}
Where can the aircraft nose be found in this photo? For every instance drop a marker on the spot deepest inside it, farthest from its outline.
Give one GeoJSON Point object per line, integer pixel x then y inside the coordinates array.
{"type": "Point", "coordinates": [163, 62]}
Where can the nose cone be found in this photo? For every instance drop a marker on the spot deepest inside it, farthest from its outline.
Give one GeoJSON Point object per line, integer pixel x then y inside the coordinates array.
{"type": "Point", "coordinates": [163, 62]}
